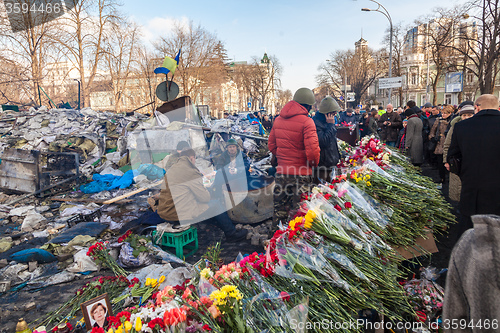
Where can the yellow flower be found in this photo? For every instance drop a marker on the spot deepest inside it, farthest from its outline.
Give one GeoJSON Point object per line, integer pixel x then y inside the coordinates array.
{"type": "Point", "coordinates": [291, 224]}
{"type": "Point", "coordinates": [206, 273]}
{"type": "Point", "coordinates": [311, 213]}
{"type": "Point", "coordinates": [307, 225]}
{"type": "Point", "coordinates": [119, 329]}
{"type": "Point", "coordinates": [138, 324]}
{"type": "Point", "coordinates": [154, 282]}
{"type": "Point", "coordinates": [368, 183]}
{"type": "Point", "coordinates": [228, 288]}
{"type": "Point", "coordinates": [148, 282]}
{"type": "Point", "coordinates": [162, 278]}
{"type": "Point", "coordinates": [219, 297]}
{"type": "Point", "coordinates": [110, 330]}
{"type": "Point", "coordinates": [128, 326]}
{"type": "Point", "coordinates": [368, 177]}
{"type": "Point", "coordinates": [358, 179]}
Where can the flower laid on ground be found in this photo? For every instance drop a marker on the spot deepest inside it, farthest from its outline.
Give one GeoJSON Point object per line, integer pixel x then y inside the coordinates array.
{"type": "Point", "coordinates": [227, 273]}
{"type": "Point", "coordinates": [124, 236]}
{"type": "Point", "coordinates": [227, 300]}
{"type": "Point", "coordinates": [100, 254]}
{"type": "Point", "coordinates": [175, 320]}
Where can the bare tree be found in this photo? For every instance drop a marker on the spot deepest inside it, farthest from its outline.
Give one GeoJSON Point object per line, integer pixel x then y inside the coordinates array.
{"type": "Point", "coordinates": [480, 41]}
{"type": "Point", "coordinates": [243, 75]}
{"type": "Point", "coordinates": [120, 51]}
{"type": "Point", "coordinates": [147, 61]}
{"type": "Point", "coordinates": [14, 82]}
{"type": "Point", "coordinates": [259, 80]}
{"type": "Point", "coordinates": [86, 26]}
{"type": "Point", "coordinates": [202, 59]}
{"type": "Point", "coordinates": [358, 69]}
{"type": "Point", "coordinates": [30, 44]}
{"type": "Point", "coordinates": [283, 97]}
{"type": "Point", "coordinates": [398, 40]}
{"type": "Point", "coordinates": [439, 34]}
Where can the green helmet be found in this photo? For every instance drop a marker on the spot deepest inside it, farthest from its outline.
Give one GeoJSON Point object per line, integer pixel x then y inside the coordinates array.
{"type": "Point", "coordinates": [304, 96]}
{"type": "Point", "coordinates": [231, 142]}
{"type": "Point", "coordinates": [328, 104]}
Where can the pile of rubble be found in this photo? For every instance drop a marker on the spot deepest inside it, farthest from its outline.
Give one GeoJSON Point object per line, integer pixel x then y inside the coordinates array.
{"type": "Point", "coordinates": [258, 235]}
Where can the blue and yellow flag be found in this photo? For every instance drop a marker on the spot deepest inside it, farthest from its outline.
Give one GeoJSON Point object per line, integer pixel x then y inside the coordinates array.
{"type": "Point", "coordinates": [169, 65]}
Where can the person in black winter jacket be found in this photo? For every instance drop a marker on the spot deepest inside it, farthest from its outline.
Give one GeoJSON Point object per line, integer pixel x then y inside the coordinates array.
{"type": "Point", "coordinates": [327, 136]}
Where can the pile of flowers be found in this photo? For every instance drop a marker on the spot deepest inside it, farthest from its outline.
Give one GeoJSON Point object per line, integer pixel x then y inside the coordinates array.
{"type": "Point", "coordinates": [334, 257]}
{"type": "Point", "coordinates": [369, 148]}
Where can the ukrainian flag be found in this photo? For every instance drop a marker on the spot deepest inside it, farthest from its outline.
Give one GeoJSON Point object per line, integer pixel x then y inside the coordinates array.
{"type": "Point", "coordinates": [169, 65]}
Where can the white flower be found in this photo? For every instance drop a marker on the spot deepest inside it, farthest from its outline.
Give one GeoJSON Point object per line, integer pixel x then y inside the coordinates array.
{"type": "Point", "coordinates": [427, 298]}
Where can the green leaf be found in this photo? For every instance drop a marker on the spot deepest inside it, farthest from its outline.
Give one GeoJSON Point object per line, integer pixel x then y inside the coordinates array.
{"type": "Point", "coordinates": [135, 253]}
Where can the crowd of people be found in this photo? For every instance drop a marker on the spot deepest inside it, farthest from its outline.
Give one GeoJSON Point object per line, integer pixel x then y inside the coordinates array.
{"type": "Point", "coordinates": [464, 140]}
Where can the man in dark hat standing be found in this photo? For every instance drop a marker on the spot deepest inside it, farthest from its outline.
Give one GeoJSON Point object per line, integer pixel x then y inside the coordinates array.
{"type": "Point", "coordinates": [390, 124]}
{"type": "Point", "coordinates": [348, 117]}
{"type": "Point", "coordinates": [327, 137]}
{"type": "Point", "coordinates": [475, 142]}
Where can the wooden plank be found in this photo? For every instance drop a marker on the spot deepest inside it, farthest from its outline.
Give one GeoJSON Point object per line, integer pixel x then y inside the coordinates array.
{"type": "Point", "coordinates": [98, 201]}
{"type": "Point", "coordinates": [126, 195]}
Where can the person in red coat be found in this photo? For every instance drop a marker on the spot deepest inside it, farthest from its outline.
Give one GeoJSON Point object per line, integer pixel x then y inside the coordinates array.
{"type": "Point", "coordinates": [294, 142]}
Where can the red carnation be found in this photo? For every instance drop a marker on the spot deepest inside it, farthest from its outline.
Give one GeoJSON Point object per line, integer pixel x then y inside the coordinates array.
{"type": "Point", "coordinates": [157, 321]}
{"type": "Point", "coordinates": [348, 205]}
{"type": "Point", "coordinates": [285, 296]}
{"type": "Point", "coordinates": [337, 207]}
{"type": "Point", "coordinates": [206, 327]}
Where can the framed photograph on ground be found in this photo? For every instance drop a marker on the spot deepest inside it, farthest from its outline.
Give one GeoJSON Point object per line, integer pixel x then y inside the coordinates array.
{"type": "Point", "coordinates": [96, 312]}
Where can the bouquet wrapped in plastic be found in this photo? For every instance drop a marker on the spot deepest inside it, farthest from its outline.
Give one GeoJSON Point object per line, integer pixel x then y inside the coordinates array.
{"type": "Point", "coordinates": [424, 294]}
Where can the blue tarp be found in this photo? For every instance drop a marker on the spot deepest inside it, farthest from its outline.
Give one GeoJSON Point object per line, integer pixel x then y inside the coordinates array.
{"type": "Point", "coordinates": [109, 182]}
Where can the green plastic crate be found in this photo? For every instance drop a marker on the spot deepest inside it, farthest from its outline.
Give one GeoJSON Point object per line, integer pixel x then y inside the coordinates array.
{"type": "Point", "coordinates": [187, 239]}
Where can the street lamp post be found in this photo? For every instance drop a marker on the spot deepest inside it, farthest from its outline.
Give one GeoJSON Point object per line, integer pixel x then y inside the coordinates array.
{"type": "Point", "coordinates": [345, 88]}
{"type": "Point", "coordinates": [385, 12]}
{"type": "Point", "coordinates": [79, 89]}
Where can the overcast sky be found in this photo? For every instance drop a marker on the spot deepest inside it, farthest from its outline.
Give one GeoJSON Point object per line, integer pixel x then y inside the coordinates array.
{"type": "Point", "coordinates": [300, 34]}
